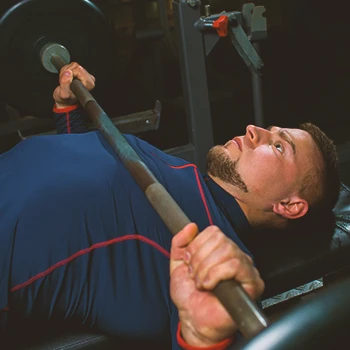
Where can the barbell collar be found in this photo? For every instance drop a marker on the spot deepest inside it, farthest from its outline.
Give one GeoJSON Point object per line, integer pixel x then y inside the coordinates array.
{"type": "Point", "coordinates": [54, 56]}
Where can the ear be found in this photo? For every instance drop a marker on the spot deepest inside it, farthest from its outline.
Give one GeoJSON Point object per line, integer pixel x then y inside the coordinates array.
{"type": "Point", "coordinates": [292, 208]}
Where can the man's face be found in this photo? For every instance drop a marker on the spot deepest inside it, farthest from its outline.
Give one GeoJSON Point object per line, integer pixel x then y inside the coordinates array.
{"type": "Point", "coordinates": [267, 164]}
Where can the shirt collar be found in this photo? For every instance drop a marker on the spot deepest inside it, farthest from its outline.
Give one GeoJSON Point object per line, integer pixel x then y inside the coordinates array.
{"type": "Point", "coordinates": [229, 206]}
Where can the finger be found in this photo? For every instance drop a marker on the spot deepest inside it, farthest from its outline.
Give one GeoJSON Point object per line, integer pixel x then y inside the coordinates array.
{"type": "Point", "coordinates": [203, 237]}
{"type": "Point", "coordinates": [81, 74]}
{"type": "Point", "coordinates": [182, 239]}
{"type": "Point", "coordinates": [65, 81]}
{"type": "Point", "coordinates": [63, 93]}
{"type": "Point", "coordinates": [69, 66]}
{"type": "Point", "coordinates": [224, 251]}
{"type": "Point", "coordinates": [200, 253]}
{"type": "Point", "coordinates": [244, 273]}
{"type": "Point", "coordinates": [86, 78]}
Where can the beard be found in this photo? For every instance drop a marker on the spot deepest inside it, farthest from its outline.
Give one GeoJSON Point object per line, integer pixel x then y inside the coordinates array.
{"type": "Point", "coordinates": [220, 165]}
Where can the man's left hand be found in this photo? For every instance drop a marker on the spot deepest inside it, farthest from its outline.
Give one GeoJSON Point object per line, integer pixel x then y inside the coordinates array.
{"type": "Point", "coordinates": [63, 95]}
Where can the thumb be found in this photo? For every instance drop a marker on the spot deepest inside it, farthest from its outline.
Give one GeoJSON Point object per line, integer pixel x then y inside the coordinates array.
{"type": "Point", "coordinates": [179, 243]}
{"type": "Point", "coordinates": [182, 239]}
{"type": "Point", "coordinates": [65, 80]}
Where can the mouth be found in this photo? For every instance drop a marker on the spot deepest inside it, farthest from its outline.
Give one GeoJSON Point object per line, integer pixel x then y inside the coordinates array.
{"type": "Point", "coordinates": [238, 142]}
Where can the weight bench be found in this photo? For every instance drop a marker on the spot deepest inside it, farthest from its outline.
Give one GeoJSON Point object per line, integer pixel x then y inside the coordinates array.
{"type": "Point", "coordinates": [284, 261]}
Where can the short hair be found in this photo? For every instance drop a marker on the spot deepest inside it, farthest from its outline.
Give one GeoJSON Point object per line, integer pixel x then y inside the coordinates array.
{"type": "Point", "coordinates": [321, 186]}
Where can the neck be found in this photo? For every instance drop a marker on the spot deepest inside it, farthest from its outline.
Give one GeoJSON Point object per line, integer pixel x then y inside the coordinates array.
{"type": "Point", "coordinates": [257, 217]}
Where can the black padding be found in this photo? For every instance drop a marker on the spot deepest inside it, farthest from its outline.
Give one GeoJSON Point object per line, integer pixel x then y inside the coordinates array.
{"type": "Point", "coordinates": [70, 341]}
{"type": "Point", "coordinates": [35, 335]}
{"type": "Point", "coordinates": [23, 334]}
{"type": "Point", "coordinates": [318, 325]}
{"type": "Point", "coordinates": [286, 261]}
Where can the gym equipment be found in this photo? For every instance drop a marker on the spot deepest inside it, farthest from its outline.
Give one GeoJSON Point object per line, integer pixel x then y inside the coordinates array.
{"type": "Point", "coordinates": [197, 35]}
{"type": "Point", "coordinates": [41, 44]}
{"type": "Point", "coordinates": [129, 124]}
{"type": "Point", "coordinates": [314, 326]}
{"type": "Point", "coordinates": [24, 84]}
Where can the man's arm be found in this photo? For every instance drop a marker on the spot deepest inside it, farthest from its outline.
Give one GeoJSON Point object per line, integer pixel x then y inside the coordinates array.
{"type": "Point", "coordinates": [198, 263]}
{"type": "Point", "coordinates": [70, 117]}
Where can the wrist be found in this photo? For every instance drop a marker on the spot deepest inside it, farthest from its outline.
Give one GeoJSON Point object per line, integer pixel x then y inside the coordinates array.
{"type": "Point", "coordinates": [60, 108]}
{"type": "Point", "coordinates": [189, 340]}
{"type": "Point", "coordinates": [192, 336]}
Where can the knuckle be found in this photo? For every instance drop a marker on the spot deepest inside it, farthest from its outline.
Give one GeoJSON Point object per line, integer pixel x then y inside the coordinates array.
{"type": "Point", "coordinates": [249, 259]}
{"type": "Point", "coordinates": [200, 272]}
{"type": "Point", "coordinates": [195, 259]}
{"type": "Point", "coordinates": [235, 264]}
{"type": "Point", "coordinates": [227, 250]}
{"type": "Point", "coordinates": [216, 230]}
{"type": "Point", "coordinates": [212, 230]}
{"type": "Point", "coordinates": [191, 250]}
{"type": "Point", "coordinates": [192, 247]}
{"type": "Point", "coordinates": [212, 274]}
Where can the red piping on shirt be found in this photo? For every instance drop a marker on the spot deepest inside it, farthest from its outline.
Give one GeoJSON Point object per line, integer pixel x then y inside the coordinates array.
{"type": "Point", "coordinates": [68, 122]}
{"type": "Point", "coordinates": [66, 110]}
{"type": "Point", "coordinates": [87, 251]}
{"type": "Point", "coordinates": [195, 169]}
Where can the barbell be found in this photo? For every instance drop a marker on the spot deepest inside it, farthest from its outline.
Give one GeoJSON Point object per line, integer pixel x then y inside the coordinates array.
{"type": "Point", "coordinates": [36, 34]}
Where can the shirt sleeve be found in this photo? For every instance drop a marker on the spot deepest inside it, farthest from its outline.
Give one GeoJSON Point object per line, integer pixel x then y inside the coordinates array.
{"type": "Point", "coordinates": [70, 120]}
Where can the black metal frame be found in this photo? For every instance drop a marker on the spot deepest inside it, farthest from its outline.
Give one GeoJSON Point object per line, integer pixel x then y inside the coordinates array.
{"type": "Point", "coordinates": [194, 81]}
{"type": "Point", "coordinates": [194, 45]}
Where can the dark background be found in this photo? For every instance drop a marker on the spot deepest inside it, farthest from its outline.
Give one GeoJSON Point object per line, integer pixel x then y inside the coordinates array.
{"type": "Point", "coordinates": [306, 57]}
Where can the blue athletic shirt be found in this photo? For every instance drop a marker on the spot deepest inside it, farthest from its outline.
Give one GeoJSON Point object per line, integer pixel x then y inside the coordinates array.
{"type": "Point", "coordinates": [79, 240]}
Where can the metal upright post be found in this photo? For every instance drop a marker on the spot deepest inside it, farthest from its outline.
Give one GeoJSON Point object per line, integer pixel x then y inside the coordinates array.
{"type": "Point", "coordinates": [258, 95]}
{"type": "Point", "coordinates": [256, 25]}
{"type": "Point", "coordinates": [192, 57]}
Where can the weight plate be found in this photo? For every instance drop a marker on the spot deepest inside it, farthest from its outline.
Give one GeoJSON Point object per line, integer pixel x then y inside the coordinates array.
{"type": "Point", "coordinates": [28, 26]}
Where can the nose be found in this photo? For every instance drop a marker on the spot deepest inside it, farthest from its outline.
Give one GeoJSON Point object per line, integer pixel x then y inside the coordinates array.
{"type": "Point", "coordinates": [257, 135]}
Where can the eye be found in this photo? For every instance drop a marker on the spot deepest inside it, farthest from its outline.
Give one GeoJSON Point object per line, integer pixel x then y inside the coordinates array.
{"type": "Point", "coordinates": [279, 147]}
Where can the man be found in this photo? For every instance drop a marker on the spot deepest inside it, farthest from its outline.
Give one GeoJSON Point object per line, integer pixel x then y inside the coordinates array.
{"type": "Point", "coordinates": [79, 241]}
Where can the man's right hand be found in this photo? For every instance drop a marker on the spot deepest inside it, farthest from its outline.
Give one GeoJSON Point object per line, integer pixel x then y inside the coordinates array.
{"type": "Point", "coordinates": [63, 95]}
{"type": "Point", "coordinates": [198, 263]}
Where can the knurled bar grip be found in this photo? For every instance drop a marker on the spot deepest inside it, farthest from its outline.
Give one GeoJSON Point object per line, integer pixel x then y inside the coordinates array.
{"type": "Point", "coordinates": [239, 305]}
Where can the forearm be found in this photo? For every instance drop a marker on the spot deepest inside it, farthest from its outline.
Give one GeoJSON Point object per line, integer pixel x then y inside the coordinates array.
{"type": "Point", "coordinates": [70, 120]}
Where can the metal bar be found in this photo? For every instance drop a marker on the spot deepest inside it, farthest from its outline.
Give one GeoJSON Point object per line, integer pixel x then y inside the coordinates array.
{"type": "Point", "coordinates": [129, 124]}
{"type": "Point", "coordinates": [194, 79]}
{"type": "Point", "coordinates": [258, 96]}
{"type": "Point", "coordinates": [242, 309]}
{"type": "Point", "coordinates": [245, 48]}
